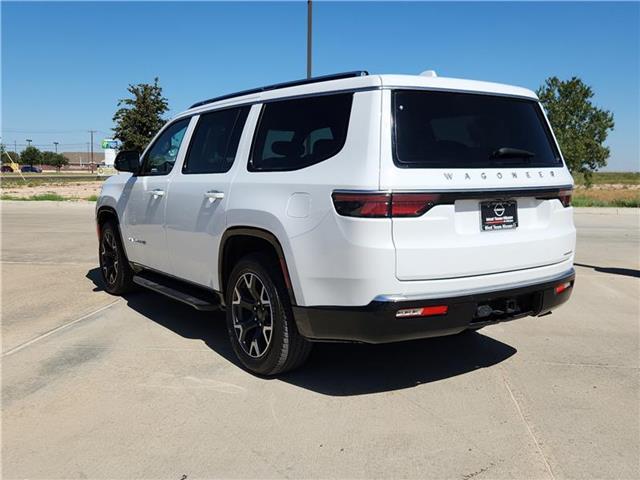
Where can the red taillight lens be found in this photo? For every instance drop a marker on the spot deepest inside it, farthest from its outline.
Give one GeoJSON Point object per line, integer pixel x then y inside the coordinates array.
{"type": "Point", "coordinates": [565, 197]}
{"type": "Point", "coordinates": [383, 205]}
{"type": "Point", "coordinates": [561, 287]}
{"type": "Point", "coordinates": [369, 205]}
{"type": "Point", "coordinates": [412, 204]}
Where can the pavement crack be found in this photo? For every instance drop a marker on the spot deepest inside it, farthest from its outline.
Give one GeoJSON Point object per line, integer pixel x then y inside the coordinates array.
{"type": "Point", "coordinates": [526, 423]}
{"type": "Point", "coordinates": [477, 472]}
{"type": "Point", "coordinates": [586, 365]}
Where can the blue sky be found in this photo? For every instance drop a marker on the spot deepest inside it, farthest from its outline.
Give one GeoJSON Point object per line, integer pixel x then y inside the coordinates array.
{"type": "Point", "coordinates": [64, 65]}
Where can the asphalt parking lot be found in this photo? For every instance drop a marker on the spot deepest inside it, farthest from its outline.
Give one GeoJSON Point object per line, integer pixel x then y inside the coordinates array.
{"type": "Point", "coordinates": [99, 387]}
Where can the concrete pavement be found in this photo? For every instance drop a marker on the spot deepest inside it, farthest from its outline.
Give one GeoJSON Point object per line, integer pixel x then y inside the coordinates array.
{"type": "Point", "coordinates": [148, 388]}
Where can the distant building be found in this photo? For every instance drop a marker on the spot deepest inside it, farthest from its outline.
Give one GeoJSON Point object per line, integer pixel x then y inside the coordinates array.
{"type": "Point", "coordinates": [82, 159]}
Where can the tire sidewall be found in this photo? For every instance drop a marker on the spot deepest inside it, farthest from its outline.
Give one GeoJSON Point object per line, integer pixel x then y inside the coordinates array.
{"type": "Point", "coordinates": [118, 286]}
{"type": "Point", "coordinates": [276, 352]}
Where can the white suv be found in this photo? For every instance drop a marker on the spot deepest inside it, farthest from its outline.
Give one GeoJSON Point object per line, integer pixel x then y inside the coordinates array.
{"type": "Point", "coordinates": [351, 207]}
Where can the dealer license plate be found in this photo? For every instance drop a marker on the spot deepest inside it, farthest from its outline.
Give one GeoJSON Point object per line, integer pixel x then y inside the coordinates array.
{"type": "Point", "coordinates": [499, 215]}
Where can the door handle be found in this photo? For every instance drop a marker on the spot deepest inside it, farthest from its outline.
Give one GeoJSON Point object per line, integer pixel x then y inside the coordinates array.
{"type": "Point", "coordinates": [156, 192]}
{"type": "Point", "coordinates": [214, 195]}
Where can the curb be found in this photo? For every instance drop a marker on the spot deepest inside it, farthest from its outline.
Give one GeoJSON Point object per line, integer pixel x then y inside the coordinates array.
{"type": "Point", "coordinates": [606, 211]}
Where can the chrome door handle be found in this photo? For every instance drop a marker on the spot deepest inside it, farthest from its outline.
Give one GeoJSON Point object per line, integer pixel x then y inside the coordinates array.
{"type": "Point", "coordinates": [156, 192]}
{"type": "Point", "coordinates": [214, 195]}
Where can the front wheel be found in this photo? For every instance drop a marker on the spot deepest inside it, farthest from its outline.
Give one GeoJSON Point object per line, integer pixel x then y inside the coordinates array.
{"type": "Point", "coordinates": [114, 266]}
{"type": "Point", "coordinates": [260, 320]}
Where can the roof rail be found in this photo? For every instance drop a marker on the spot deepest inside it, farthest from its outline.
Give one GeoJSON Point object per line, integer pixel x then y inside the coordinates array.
{"type": "Point", "coordinates": [322, 78]}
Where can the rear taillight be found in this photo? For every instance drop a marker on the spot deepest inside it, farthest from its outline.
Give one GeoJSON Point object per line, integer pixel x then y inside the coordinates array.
{"type": "Point", "coordinates": [565, 197]}
{"type": "Point", "coordinates": [412, 204]}
{"type": "Point", "coordinates": [369, 205]}
{"type": "Point", "coordinates": [383, 205]}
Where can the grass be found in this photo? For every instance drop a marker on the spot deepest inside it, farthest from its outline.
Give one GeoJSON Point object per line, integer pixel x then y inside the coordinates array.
{"type": "Point", "coordinates": [627, 196]}
{"type": "Point", "coordinates": [51, 197]}
{"type": "Point", "coordinates": [13, 180]}
{"type": "Point", "coordinates": [593, 202]}
{"type": "Point", "coordinates": [589, 201]}
{"type": "Point", "coordinates": [599, 178]}
{"type": "Point", "coordinates": [40, 197]}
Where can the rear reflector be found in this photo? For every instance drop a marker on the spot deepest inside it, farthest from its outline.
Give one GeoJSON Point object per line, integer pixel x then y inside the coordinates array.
{"type": "Point", "coordinates": [562, 287]}
{"type": "Point", "coordinates": [422, 311]}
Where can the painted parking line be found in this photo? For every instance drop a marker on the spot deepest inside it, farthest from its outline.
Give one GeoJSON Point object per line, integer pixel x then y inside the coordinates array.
{"type": "Point", "coordinates": [57, 329]}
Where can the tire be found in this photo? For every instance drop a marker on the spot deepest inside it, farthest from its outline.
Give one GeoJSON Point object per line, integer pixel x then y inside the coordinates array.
{"type": "Point", "coordinates": [260, 320]}
{"type": "Point", "coordinates": [114, 265]}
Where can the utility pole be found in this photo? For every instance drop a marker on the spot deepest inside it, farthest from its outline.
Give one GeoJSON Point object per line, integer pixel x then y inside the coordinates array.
{"type": "Point", "coordinates": [55, 145]}
{"type": "Point", "coordinates": [92, 132]}
{"type": "Point", "coordinates": [309, 36]}
{"type": "Point", "coordinates": [28, 141]}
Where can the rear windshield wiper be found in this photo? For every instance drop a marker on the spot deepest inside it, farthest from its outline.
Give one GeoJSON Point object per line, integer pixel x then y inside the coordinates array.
{"type": "Point", "coordinates": [508, 152]}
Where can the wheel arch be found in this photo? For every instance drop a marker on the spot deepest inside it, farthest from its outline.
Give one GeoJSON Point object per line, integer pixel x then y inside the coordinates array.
{"type": "Point", "coordinates": [254, 236]}
{"type": "Point", "coordinates": [105, 213]}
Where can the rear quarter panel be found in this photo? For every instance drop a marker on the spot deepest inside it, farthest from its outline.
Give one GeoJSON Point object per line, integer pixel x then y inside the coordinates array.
{"type": "Point", "coordinates": [296, 206]}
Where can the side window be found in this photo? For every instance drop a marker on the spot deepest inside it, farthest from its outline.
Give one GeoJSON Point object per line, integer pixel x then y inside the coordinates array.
{"type": "Point", "coordinates": [162, 155]}
{"type": "Point", "coordinates": [215, 141]}
{"type": "Point", "coordinates": [295, 134]}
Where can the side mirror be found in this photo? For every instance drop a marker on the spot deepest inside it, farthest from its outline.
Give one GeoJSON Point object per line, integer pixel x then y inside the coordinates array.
{"type": "Point", "coordinates": [127, 161]}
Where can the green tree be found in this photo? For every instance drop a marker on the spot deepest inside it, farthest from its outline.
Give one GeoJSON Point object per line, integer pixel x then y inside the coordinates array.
{"type": "Point", "coordinates": [54, 159]}
{"type": "Point", "coordinates": [30, 155]}
{"type": "Point", "coordinates": [8, 157]}
{"type": "Point", "coordinates": [580, 127]}
{"type": "Point", "coordinates": [139, 118]}
{"type": "Point", "coordinates": [14, 156]}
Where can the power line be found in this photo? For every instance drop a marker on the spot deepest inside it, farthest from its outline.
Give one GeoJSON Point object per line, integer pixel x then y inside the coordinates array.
{"type": "Point", "coordinates": [44, 132]}
{"type": "Point", "coordinates": [61, 144]}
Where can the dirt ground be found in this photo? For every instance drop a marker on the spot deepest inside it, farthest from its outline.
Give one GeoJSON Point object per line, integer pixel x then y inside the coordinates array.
{"type": "Point", "coordinates": [71, 190]}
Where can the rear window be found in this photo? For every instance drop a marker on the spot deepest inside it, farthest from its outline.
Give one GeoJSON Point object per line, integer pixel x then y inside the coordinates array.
{"type": "Point", "coordinates": [462, 130]}
{"type": "Point", "coordinates": [293, 134]}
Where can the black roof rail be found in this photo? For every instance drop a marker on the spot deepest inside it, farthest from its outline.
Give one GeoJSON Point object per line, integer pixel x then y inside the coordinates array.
{"type": "Point", "coordinates": [322, 78]}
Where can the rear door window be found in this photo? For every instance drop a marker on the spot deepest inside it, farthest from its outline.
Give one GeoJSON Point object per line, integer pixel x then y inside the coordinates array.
{"type": "Point", "coordinates": [462, 130]}
{"type": "Point", "coordinates": [215, 141]}
{"type": "Point", "coordinates": [294, 134]}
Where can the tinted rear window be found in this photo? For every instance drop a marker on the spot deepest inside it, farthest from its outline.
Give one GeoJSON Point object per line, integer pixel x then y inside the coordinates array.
{"type": "Point", "coordinates": [294, 134]}
{"type": "Point", "coordinates": [461, 130]}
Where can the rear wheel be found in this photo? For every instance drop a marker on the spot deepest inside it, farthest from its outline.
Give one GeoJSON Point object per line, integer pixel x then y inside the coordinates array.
{"type": "Point", "coordinates": [260, 320]}
{"type": "Point", "coordinates": [114, 266]}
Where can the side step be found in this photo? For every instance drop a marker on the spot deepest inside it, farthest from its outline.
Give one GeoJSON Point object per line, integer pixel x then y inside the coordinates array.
{"type": "Point", "coordinates": [196, 297]}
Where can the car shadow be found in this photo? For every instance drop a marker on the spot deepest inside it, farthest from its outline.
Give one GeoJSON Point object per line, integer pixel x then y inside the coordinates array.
{"type": "Point", "coordinates": [95, 276]}
{"type": "Point", "coordinates": [627, 272]}
{"type": "Point", "coordinates": [337, 369]}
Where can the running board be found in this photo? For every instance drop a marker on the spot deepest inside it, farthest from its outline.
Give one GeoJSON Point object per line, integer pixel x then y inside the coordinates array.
{"type": "Point", "coordinates": [196, 297]}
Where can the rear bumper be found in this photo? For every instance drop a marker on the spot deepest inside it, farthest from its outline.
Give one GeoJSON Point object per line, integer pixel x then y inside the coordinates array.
{"type": "Point", "coordinates": [377, 321]}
